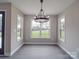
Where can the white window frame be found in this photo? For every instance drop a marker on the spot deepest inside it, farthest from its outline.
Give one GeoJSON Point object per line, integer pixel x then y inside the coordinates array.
{"type": "Point", "coordinates": [19, 18]}
{"type": "Point", "coordinates": [62, 18]}
{"type": "Point", "coordinates": [41, 37]}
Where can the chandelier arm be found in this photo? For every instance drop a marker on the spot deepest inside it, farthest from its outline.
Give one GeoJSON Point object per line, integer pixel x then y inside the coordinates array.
{"type": "Point", "coordinates": [41, 17]}
{"type": "Point", "coordinates": [41, 1]}
{"type": "Point", "coordinates": [41, 6]}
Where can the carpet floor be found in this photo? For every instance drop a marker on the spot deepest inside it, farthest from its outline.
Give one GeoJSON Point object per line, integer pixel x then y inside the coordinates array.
{"type": "Point", "coordinates": [39, 52]}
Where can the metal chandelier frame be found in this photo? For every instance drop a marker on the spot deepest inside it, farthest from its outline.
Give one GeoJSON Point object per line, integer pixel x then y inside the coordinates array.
{"type": "Point", "coordinates": [41, 17]}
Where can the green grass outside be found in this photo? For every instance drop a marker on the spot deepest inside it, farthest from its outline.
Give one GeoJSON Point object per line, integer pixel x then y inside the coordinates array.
{"type": "Point", "coordinates": [62, 35]}
{"type": "Point", "coordinates": [18, 34]}
{"type": "Point", "coordinates": [36, 34]}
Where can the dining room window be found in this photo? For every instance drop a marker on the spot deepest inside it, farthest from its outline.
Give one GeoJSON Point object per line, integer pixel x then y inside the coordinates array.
{"type": "Point", "coordinates": [19, 27]}
{"type": "Point", "coordinates": [40, 30]}
{"type": "Point", "coordinates": [62, 29]}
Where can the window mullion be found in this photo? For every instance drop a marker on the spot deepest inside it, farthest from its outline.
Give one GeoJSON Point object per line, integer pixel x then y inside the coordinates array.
{"type": "Point", "coordinates": [40, 30]}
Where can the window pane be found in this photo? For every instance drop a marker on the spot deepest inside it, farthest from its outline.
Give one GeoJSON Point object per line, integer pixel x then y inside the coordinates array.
{"type": "Point", "coordinates": [62, 34]}
{"type": "Point", "coordinates": [45, 34]}
{"type": "Point", "coordinates": [19, 27]}
{"type": "Point", "coordinates": [40, 30]}
{"type": "Point", "coordinates": [62, 29]}
{"type": "Point", "coordinates": [35, 34]}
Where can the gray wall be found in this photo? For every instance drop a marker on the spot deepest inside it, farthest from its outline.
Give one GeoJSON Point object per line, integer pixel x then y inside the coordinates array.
{"type": "Point", "coordinates": [71, 43]}
{"type": "Point", "coordinates": [14, 43]}
{"type": "Point", "coordinates": [27, 30]}
{"type": "Point", "coordinates": [7, 8]}
{"type": "Point", "coordinates": [11, 12]}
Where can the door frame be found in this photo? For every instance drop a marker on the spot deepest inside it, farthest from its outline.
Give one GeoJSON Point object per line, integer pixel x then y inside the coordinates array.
{"type": "Point", "coordinates": [3, 32]}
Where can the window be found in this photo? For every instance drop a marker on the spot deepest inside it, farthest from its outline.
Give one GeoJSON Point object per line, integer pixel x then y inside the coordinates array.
{"type": "Point", "coordinates": [0, 30]}
{"type": "Point", "coordinates": [40, 30]}
{"type": "Point", "coordinates": [62, 29]}
{"type": "Point", "coordinates": [19, 27]}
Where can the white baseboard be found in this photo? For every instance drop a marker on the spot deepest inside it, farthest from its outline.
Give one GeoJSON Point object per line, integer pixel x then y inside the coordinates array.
{"type": "Point", "coordinates": [16, 49]}
{"type": "Point", "coordinates": [39, 43]}
{"type": "Point", "coordinates": [66, 51]}
{"type": "Point", "coordinates": [29, 43]}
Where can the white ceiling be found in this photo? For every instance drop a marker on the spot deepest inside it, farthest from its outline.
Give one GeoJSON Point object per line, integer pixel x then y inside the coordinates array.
{"type": "Point", "coordinates": [31, 7]}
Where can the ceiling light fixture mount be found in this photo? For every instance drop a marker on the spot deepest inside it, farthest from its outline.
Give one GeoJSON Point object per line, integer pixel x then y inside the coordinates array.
{"type": "Point", "coordinates": [41, 17]}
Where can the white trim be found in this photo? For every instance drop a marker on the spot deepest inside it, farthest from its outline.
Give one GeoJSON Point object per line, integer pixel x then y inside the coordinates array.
{"type": "Point", "coordinates": [5, 53]}
{"type": "Point", "coordinates": [39, 43]}
{"type": "Point", "coordinates": [69, 53]}
{"type": "Point", "coordinates": [28, 43]}
{"type": "Point", "coordinates": [16, 49]}
{"type": "Point", "coordinates": [49, 30]}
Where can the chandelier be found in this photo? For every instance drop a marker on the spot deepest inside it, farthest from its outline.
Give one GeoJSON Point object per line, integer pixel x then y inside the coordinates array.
{"type": "Point", "coordinates": [41, 17]}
